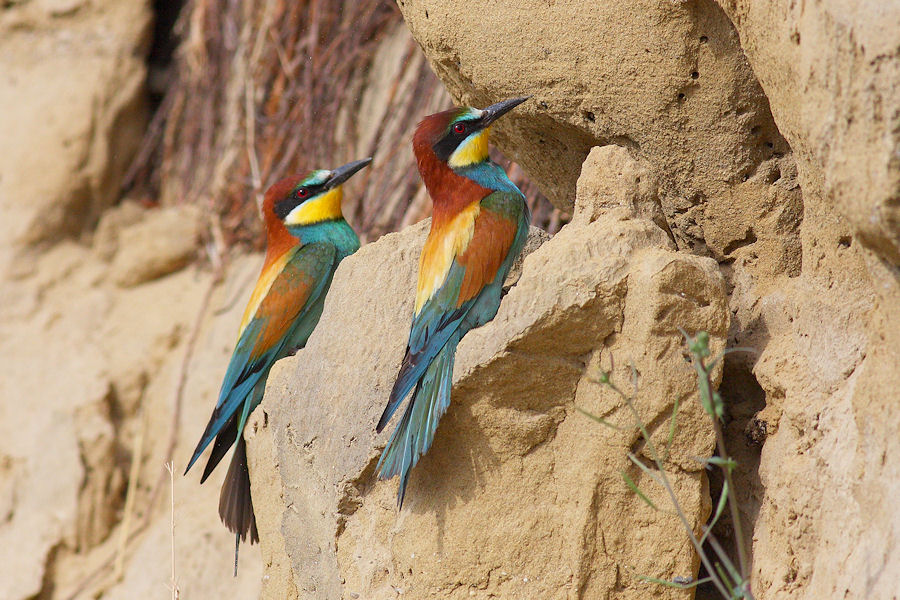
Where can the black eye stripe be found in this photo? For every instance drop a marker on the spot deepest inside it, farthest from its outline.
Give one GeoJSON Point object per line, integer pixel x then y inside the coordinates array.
{"type": "Point", "coordinates": [451, 140]}
{"type": "Point", "coordinates": [284, 207]}
{"type": "Point", "coordinates": [311, 190]}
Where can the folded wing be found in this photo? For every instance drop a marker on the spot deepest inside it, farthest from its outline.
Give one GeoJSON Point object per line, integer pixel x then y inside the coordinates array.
{"type": "Point", "coordinates": [266, 337]}
{"type": "Point", "coordinates": [473, 267]}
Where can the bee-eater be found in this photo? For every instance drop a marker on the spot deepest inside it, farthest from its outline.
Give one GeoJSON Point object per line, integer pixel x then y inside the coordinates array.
{"type": "Point", "coordinates": [307, 237]}
{"type": "Point", "coordinates": [478, 227]}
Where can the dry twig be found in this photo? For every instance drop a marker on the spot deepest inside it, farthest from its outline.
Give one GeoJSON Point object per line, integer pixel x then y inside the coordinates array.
{"type": "Point", "coordinates": [173, 584]}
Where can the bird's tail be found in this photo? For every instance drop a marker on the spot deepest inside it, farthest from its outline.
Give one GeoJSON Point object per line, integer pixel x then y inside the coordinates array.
{"type": "Point", "coordinates": [414, 434]}
{"type": "Point", "coordinates": [235, 504]}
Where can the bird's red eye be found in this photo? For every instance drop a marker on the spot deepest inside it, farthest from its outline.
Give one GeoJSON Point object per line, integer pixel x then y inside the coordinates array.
{"type": "Point", "coordinates": [302, 193]}
{"type": "Point", "coordinates": [459, 128]}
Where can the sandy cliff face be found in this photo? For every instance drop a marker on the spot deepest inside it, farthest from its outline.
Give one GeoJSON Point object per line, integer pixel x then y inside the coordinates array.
{"type": "Point", "coordinates": [831, 75]}
{"type": "Point", "coordinates": [96, 314]}
{"type": "Point", "coordinates": [88, 384]}
{"type": "Point", "coordinates": [832, 375]}
{"type": "Point", "coordinates": [731, 165]}
{"type": "Point", "coordinates": [73, 112]}
{"type": "Point", "coordinates": [113, 344]}
{"type": "Point", "coordinates": [803, 225]}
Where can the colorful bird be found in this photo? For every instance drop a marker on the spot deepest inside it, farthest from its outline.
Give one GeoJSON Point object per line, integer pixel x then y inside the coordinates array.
{"type": "Point", "coordinates": [479, 225]}
{"type": "Point", "coordinates": [307, 237]}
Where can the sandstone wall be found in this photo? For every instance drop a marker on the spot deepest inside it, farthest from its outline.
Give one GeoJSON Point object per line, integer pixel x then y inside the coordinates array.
{"type": "Point", "coordinates": [731, 166]}
{"type": "Point", "coordinates": [73, 112]}
{"type": "Point", "coordinates": [88, 386]}
{"type": "Point", "coordinates": [797, 204]}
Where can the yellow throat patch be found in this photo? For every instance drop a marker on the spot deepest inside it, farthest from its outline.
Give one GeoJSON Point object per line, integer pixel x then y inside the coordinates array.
{"type": "Point", "coordinates": [474, 149]}
{"type": "Point", "coordinates": [321, 208]}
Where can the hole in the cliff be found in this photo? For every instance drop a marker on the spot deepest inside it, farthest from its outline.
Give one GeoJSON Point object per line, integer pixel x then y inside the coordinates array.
{"type": "Point", "coordinates": [162, 49]}
{"type": "Point", "coordinates": [590, 116]}
{"type": "Point", "coordinates": [695, 75]}
{"type": "Point", "coordinates": [749, 238]}
{"type": "Point", "coordinates": [703, 39]}
{"type": "Point", "coordinates": [755, 130]}
{"type": "Point", "coordinates": [681, 96]}
{"type": "Point", "coordinates": [744, 434]}
{"type": "Point", "coordinates": [845, 241]}
{"type": "Point", "coordinates": [426, 14]}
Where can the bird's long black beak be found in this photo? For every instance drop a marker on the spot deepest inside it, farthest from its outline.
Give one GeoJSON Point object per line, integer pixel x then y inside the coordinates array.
{"type": "Point", "coordinates": [495, 111]}
{"type": "Point", "coordinates": [345, 172]}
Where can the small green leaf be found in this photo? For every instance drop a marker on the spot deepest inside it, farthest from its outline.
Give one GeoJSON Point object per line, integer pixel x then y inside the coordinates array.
{"type": "Point", "coordinates": [720, 508]}
{"type": "Point", "coordinates": [675, 584]}
{"type": "Point", "coordinates": [636, 490]}
{"type": "Point", "coordinates": [718, 405]}
{"type": "Point", "coordinates": [726, 561]}
{"type": "Point", "coordinates": [725, 463]}
{"type": "Point", "coordinates": [699, 344]}
{"type": "Point", "coordinates": [723, 577]}
{"type": "Point", "coordinates": [705, 395]}
{"type": "Point", "coordinates": [738, 349]}
{"type": "Point", "coordinates": [600, 420]}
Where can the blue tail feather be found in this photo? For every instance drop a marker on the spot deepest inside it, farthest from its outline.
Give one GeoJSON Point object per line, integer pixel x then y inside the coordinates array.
{"type": "Point", "coordinates": [224, 412]}
{"type": "Point", "coordinates": [416, 362]}
{"type": "Point", "coordinates": [414, 434]}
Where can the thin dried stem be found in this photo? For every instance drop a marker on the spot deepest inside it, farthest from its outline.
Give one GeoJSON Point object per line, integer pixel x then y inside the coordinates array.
{"type": "Point", "coordinates": [176, 593]}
